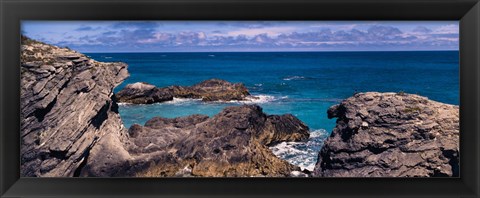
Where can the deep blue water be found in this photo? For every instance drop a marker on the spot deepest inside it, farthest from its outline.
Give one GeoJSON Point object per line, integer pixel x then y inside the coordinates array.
{"type": "Point", "coordinates": [304, 84]}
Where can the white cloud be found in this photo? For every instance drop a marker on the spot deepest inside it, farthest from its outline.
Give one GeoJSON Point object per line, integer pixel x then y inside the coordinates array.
{"type": "Point", "coordinates": [336, 27]}
{"type": "Point", "coordinates": [270, 31]}
{"type": "Point", "coordinates": [251, 35]}
{"type": "Point", "coordinates": [447, 29]}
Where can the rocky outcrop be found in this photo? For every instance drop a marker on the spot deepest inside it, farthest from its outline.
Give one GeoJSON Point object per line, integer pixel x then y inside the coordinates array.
{"type": "Point", "coordinates": [233, 143]}
{"type": "Point", "coordinates": [391, 135]}
{"type": "Point", "coordinates": [212, 90]}
{"type": "Point", "coordinates": [160, 132]}
{"type": "Point", "coordinates": [144, 93]}
{"type": "Point", "coordinates": [208, 90]}
{"type": "Point", "coordinates": [66, 107]}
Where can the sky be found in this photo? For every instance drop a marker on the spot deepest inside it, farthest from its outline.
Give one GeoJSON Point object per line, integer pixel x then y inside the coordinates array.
{"type": "Point", "coordinates": [238, 36]}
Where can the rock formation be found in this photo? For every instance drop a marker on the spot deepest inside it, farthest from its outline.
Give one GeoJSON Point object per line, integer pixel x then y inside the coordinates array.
{"type": "Point", "coordinates": [70, 126]}
{"type": "Point", "coordinates": [212, 90]}
{"type": "Point", "coordinates": [391, 135]}
{"type": "Point", "coordinates": [208, 90]}
{"type": "Point", "coordinates": [233, 143]}
{"type": "Point", "coordinates": [143, 93]}
{"type": "Point", "coordinates": [66, 107]}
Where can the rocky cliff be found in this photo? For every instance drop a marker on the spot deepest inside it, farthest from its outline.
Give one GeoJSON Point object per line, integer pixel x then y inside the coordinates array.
{"type": "Point", "coordinates": [391, 135]}
{"type": "Point", "coordinates": [208, 90]}
{"type": "Point", "coordinates": [66, 107]}
{"type": "Point", "coordinates": [70, 126]}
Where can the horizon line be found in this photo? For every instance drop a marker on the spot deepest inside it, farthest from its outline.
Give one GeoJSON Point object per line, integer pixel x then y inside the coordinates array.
{"type": "Point", "coordinates": [433, 50]}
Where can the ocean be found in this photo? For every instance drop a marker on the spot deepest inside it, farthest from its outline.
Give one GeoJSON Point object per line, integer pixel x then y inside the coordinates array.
{"type": "Point", "coordinates": [304, 84]}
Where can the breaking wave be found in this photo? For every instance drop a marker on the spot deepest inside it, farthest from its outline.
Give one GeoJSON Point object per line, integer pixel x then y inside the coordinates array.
{"type": "Point", "coordinates": [302, 154]}
{"type": "Point", "coordinates": [258, 99]}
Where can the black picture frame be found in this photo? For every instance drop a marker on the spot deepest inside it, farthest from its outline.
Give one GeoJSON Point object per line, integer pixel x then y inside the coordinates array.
{"type": "Point", "coordinates": [466, 11]}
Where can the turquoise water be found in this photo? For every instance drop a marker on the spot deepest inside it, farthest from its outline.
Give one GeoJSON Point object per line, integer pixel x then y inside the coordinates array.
{"type": "Point", "coordinates": [304, 84]}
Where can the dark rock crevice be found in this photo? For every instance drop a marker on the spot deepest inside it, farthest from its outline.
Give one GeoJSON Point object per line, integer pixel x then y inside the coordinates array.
{"type": "Point", "coordinates": [114, 106]}
{"type": "Point", "coordinates": [101, 116]}
{"type": "Point", "coordinates": [62, 155]}
{"type": "Point", "coordinates": [376, 150]}
{"type": "Point", "coordinates": [41, 113]}
{"type": "Point", "coordinates": [84, 158]}
{"type": "Point", "coordinates": [453, 160]}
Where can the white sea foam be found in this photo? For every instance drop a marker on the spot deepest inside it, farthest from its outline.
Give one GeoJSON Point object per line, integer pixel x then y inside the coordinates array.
{"type": "Point", "coordinates": [302, 154]}
{"type": "Point", "coordinates": [258, 99]}
{"type": "Point", "coordinates": [182, 101]}
{"type": "Point", "coordinates": [123, 103]}
{"type": "Point", "coordinates": [320, 133]}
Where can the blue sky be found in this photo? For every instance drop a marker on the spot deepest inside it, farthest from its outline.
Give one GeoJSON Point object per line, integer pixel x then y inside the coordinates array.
{"type": "Point", "coordinates": [194, 36]}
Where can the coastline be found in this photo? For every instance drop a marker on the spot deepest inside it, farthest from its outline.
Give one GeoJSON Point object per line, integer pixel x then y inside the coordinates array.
{"type": "Point", "coordinates": [72, 126]}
